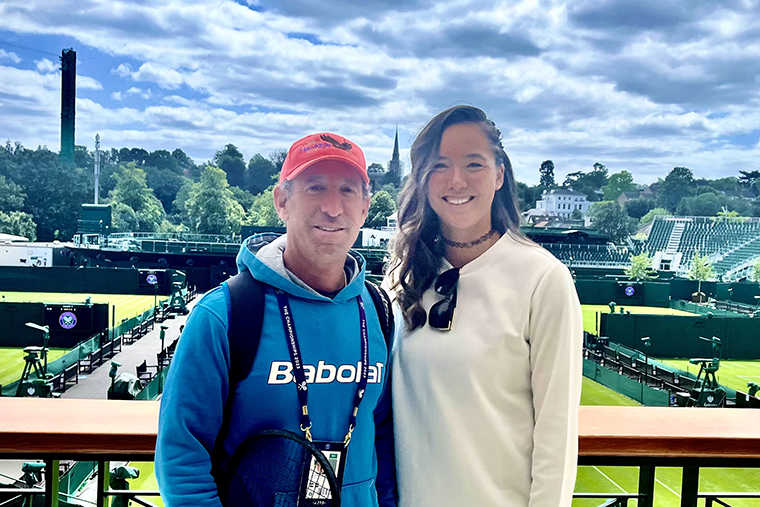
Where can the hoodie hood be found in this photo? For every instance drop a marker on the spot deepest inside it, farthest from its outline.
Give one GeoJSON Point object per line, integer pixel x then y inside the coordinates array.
{"type": "Point", "coordinates": [261, 254]}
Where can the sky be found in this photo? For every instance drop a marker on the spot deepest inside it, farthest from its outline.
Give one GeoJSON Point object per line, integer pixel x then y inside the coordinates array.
{"type": "Point", "coordinates": [638, 85]}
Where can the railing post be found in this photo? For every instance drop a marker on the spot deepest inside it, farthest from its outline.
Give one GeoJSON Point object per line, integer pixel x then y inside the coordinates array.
{"type": "Point", "coordinates": [104, 481]}
{"type": "Point", "coordinates": [52, 478]}
{"type": "Point", "coordinates": [689, 486]}
{"type": "Point", "coordinates": [646, 486]}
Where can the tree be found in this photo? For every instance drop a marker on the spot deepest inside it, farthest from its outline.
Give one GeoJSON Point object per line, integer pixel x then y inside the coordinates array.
{"type": "Point", "coordinates": [527, 196]}
{"type": "Point", "coordinates": [547, 174]}
{"type": "Point", "coordinates": [393, 190]}
{"type": "Point", "coordinates": [676, 185]}
{"type": "Point", "coordinates": [210, 207]}
{"type": "Point", "coordinates": [577, 214]}
{"type": "Point", "coordinates": [18, 223]}
{"type": "Point", "coordinates": [701, 269]}
{"type": "Point", "coordinates": [376, 175]}
{"type": "Point", "coordinates": [617, 184]}
{"type": "Point", "coordinates": [186, 164]}
{"type": "Point", "coordinates": [165, 184]}
{"type": "Point", "coordinates": [725, 213]}
{"type": "Point", "coordinates": [231, 161]}
{"type": "Point", "coordinates": [132, 190]}
{"type": "Point", "coordinates": [12, 196]}
{"type": "Point", "coordinates": [609, 218]}
{"type": "Point", "coordinates": [262, 212]}
{"type": "Point", "coordinates": [702, 205]}
{"type": "Point", "coordinates": [588, 183]}
{"type": "Point", "coordinates": [162, 159]}
{"type": "Point", "coordinates": [12, 219]}
{"type": "Point", "coordinates": [747, 179]}
{"type": "Point", "coordinates": [260, 174]}
{"type": "Point", "coordinates": [243, 197]}
{"type": "Point", "coordinates": [649, 217]}
{"type": "Point", "coordinates": [278, 158]}
{"type": "Point", "coordinates": [637, 208]}
{"type": "Point", "coordinates": [54, 194]}
{"type": "Point", "coordinates": [640, 267]}
{"type": "Point", "coordinates": [381, 207]}
{"type": "Point", "coordinates": [123, 218]}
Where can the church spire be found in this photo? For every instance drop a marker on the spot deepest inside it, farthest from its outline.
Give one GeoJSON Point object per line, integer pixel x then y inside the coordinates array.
{"type": "Point", "coordinates": [394, 166]}
{"type": "Point", "coordinates": [395, 146]}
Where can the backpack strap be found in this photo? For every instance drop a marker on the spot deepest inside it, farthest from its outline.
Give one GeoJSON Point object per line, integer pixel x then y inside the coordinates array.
{"type": "Point", "coordinates": [384, 312]}
{"type": "Point", "coordinates": [245, 320]}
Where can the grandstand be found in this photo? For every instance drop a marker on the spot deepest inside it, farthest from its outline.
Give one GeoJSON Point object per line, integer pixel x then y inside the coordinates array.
{"type": "Point", "coordinates": [603, 256]}
{"type": "Point", "coordinates": [732, 245]}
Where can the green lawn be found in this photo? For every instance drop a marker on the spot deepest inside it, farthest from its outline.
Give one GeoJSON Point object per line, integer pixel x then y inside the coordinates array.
{"type": "Point", "coordinates": [124, 306]}
{"type": "Point", "coordinates": [12, 362]}
{"type": "Point", "coordinates": [590, 317]}
{"type": "Point", "coordinates": [668, 480]}
{"type": "Point", "coordinates": [733, 374]}
{"type": "Point", "coordinates": [146, 481]}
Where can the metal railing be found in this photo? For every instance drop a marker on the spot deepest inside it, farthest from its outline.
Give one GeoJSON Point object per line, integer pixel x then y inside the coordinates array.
{"type": "Point", "coordinates": [643, 437]}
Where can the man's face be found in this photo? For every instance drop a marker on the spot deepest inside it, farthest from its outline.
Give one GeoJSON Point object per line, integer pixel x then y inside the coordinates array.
{"type": "Point", "coordinates": [324, 211]}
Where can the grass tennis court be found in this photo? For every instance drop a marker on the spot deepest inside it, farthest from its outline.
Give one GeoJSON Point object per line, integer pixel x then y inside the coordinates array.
{"type": "Point", "coordinates": [126, 305]}
{"type": "Point", "coordinates": [590, 313]}
{"type": "Point", "coordinates": [733, 374]}
{"type": "Point", "coordinates": [668, 480]}
{"type": "Point", "coordinates": [12, 362]}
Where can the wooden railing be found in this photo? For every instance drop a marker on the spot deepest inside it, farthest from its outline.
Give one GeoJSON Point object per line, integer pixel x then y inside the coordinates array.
{"type": "Point", "coordinates": [645, 437]}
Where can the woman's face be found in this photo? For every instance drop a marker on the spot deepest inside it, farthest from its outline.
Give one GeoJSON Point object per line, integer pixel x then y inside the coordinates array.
{"type": "Point", "coordinates": [464, 180]}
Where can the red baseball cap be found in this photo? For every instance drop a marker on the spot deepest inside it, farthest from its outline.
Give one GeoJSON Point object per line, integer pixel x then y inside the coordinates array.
{"type": "Point", "coordinates": [324, 146]}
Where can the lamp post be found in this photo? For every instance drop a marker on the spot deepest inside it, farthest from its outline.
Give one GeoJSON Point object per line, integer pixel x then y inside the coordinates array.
{"type": "Point", "coordinates": [647, 343]}
{"type": "Point", "coordinates": [45, 339]}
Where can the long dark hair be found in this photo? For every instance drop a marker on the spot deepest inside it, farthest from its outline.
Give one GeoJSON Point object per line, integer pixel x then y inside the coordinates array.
{"type": "Point", "coordinates": [416, 253]}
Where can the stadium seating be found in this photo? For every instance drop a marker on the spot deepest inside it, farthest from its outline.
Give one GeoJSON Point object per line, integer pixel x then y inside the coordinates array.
{"type": "Point", "coordinates": [727, 242]}
{"type": "Point", "coordinates": [590, 255]}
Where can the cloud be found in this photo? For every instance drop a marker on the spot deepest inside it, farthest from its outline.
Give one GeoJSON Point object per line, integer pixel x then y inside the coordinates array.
{"type": "Point", "coordinates": [641, 85]}
{"type": "Point", "coordinates": [6, 55]}
{"type": "Point", "coordinates": [46, 66]}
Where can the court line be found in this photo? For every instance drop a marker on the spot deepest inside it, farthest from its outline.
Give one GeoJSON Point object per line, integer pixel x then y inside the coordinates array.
{"type": "Point", "coordinates": [667, 487]}
{"type": "Point", "coordinates": [609, 479]}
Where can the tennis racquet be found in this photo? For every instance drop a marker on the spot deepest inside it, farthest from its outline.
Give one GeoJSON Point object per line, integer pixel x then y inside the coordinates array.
{"type": "Point", "coordinates": [279, 468]}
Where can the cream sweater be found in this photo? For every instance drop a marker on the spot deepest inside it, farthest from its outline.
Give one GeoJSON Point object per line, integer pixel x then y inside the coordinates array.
{"type": "Point", "coordinates": [487, 413]}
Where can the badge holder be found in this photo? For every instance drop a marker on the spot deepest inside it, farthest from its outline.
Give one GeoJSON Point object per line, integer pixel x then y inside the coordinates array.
{"type": "Point", "coordinates": [316, 495]}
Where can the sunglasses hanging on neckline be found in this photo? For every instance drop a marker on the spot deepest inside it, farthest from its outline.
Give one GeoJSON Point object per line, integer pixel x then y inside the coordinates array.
{"type": "Point", "coordinates": [441, 314]}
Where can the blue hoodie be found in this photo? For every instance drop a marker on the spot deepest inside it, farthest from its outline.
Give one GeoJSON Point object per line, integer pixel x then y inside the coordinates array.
{"type": "Point", "coordinates": [328, 333]}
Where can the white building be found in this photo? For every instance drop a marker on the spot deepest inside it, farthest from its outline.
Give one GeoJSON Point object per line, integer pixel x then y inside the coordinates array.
{"type": "Point", "coordinates": [561, 203]}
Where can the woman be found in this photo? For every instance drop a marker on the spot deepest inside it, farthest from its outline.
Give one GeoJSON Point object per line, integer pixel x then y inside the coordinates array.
{"type": "Point", "coordinates": [486, 377]}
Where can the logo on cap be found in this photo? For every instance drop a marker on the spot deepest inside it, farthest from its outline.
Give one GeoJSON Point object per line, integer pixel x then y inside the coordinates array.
{"type": "Point", "coordinates": [342, 146]}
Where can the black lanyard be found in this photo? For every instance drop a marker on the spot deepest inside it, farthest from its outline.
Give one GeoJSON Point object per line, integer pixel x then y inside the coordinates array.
{"type": "Point", "coordinates": [302, 387]}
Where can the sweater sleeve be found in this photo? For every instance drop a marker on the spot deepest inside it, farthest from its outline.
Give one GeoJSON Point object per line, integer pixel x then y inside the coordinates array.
{"type": "Point", "coordinates": [556, 334]}
{"type": "Point", "coordinates": [191, 412]}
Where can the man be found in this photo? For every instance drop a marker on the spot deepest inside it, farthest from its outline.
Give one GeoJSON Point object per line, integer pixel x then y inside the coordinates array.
{"type": "Point", "coordinates": [323, 199]}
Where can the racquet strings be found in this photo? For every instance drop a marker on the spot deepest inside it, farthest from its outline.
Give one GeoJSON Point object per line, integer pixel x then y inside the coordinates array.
{"type": "Point", "coordinates": [274, 470]}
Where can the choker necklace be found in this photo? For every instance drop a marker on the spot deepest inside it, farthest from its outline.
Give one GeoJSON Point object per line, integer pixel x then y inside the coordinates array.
{"type": "Point", "coordinates": [485, 237]}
